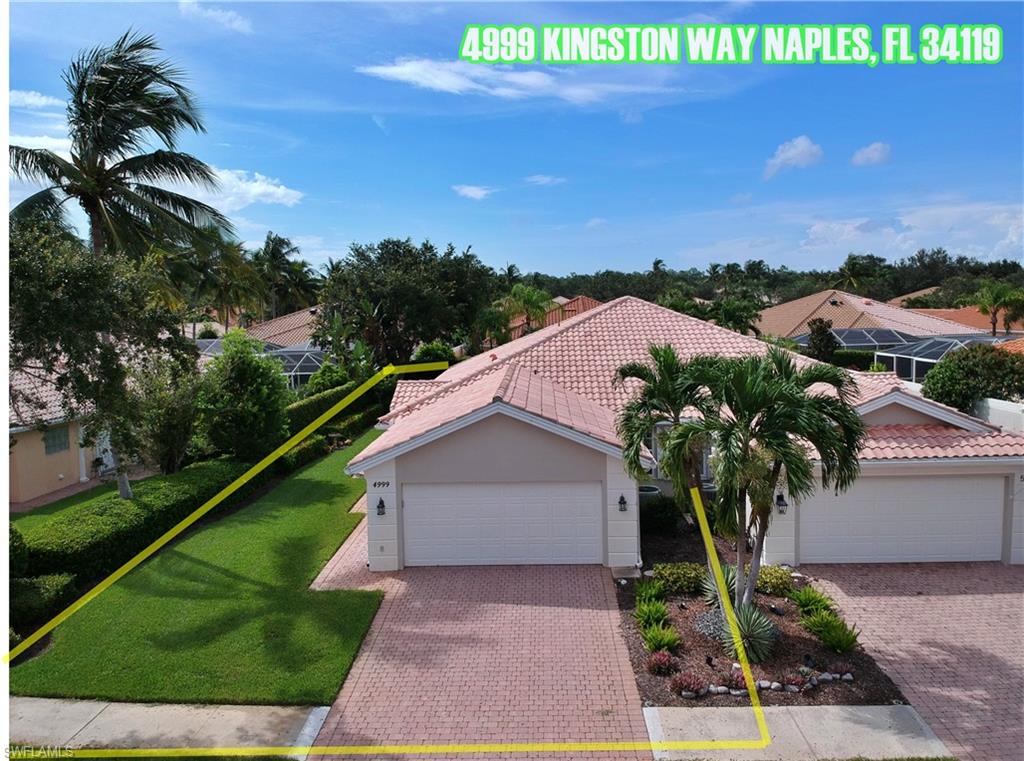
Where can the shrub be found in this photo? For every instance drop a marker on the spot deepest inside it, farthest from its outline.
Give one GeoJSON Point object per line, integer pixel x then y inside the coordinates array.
{"type": "Point", "coordinates": [877, 367]}
{"type": "Point", "coordinates": [96, 536]}
{"type": "Point", "coordinates": [681, 578]}
{"type": "Point", "coordinates": [661, 663]}
{"type": "Point", "coordinates": [353, 425]}
{"type": "Point", "coordinates": [207, 332]}
{"type": "Point", "coordinates": [328, 376]}
{"type": "Point", "coordinates": [242, 399]}
{"type": "Point", "coordinates": [659, 515]}
{"type": "Point", "coordinates": [842, 667]}
{"type": "Point", "coordinates": [18, 553]}
{"type": "Point", "coordinates": [710, 588]}
{"type": "Point", "coordinates": [821, 342]}
{"type": "Point", "coordinates": [40, 598]}
{"type": "Point", "coordinates": [840, 637]}
{"type": "Point", "coordinates": [660, 638]}
{"type": "Point", "coordinates": [650, 613]}
{"type": "Point", "coordinates": [166, 397]}
{"type": "Point", "coordinates": [687, 682]}
{"type": "Point", "coordinates": [312, 448]}
{"type": "Point", "coordinates": [820, 620]}
{"type": "Point", "coordinates": [853, 359]}
{"type": "Point", "coordinates": [435, 351]}
{"type": "Point", "coordinates": [809, 600]}
{"type": "Point", "coordinates": [305, 411]}
{"type": "Point", "coordinates": [795, 680]}
{"type": "Point", "coordinates": [774, 580]}
{"type": "Point", "coordinates": [13, 638]}
{"type": "Point", "coordinates": [757, 633]}
{"type": "Point", "coordinates": [964, 377]}
{"type": "Point", "coordinates": [736, 681]}
{"type": "Point", "coordinates": [647, 590]}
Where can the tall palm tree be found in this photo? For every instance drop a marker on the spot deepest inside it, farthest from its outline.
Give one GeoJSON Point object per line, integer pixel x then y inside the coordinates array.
{"type": "Point", "coordinates": [532, 304]}
{"type": "Point", "coordinates": [122, 98]}
{"type": "Point", "coordinates": [765, 417]}
{"type": "Point", "coordinates": [289, 283]}
{"type": "Point", "coordinates": [991, 299]}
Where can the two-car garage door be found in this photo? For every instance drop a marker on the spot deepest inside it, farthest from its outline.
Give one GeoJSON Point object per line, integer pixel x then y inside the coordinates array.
{"type": "Point", "coordinates": [905, 518]}
{"type": "Point", "coordinates": [503, 524]}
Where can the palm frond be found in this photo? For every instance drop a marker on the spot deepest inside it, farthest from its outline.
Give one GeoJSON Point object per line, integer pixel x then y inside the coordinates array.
{"type": "Point", "coordinates": [165, 166]}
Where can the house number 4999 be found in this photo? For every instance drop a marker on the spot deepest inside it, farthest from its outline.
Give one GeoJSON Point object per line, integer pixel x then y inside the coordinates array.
{"type": "Point", "coordinates": [381, 484]}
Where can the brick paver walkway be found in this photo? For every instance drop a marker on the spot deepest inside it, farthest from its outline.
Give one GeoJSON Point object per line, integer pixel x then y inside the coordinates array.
{"type": "Point", "coordinates": [486, 655]}
{"type": "Point", "coordinates": [950, 635]}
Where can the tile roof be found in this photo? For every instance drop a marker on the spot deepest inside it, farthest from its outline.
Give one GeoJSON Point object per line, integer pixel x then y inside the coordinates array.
{"type": "Point", "coordinates": [512, 384]}
{"type": "Point", "coordinates": [847, 310]}
{"type": "Point", "coordinates": [566, 308]}
{"type": "Point", "coordinates": [923, 442]}
{"type": "Point", "coordinates": [573, 365]}
{"type": "Point", "coordinates": [408, 391]}
{"type": "Point", "coordinates": [287, 329]}
{"type": "Point", "coordinates": [44, 391]}
{"type": "Point", "coordinates": [971, 317]}
{"type": "Point", "coordinates": [1015, 347]}
{"type": "Point", "coordinates": [901, 300]}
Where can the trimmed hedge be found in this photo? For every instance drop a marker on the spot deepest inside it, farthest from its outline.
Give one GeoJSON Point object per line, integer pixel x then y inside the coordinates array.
{"type": "Point", "coordinates": [40, 598]}
{"type": "Point", "coordinates": [312, 448]}
{"type": "Point", "coordinates": [305, 411]}
{"type": "Point", "coordinates": [18, 553]}
{"type": "Point", "coordinates": [659, 515]}
{"type": "Point", "coordinates": [853, 359]}
{"type": "Point", "coordinates": [353, 425]}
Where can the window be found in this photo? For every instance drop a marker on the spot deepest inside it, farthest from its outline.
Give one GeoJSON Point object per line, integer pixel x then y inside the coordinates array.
{"type": "Point", "coordinates": [56, 440]}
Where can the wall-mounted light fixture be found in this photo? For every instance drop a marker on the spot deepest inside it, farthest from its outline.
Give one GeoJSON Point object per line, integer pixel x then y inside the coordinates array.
{"type": "Point", "coordinates": [781, 504]}
{"type": "Point", "coordinates": [380, 506]}
{"type": "Point", "coordinates": [622, 503]}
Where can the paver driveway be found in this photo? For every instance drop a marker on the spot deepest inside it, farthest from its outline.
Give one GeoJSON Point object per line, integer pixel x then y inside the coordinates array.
{"type": "Point", "coordinates": [949, 634]}
{"type": "Point", "coordinates": [494, 654]}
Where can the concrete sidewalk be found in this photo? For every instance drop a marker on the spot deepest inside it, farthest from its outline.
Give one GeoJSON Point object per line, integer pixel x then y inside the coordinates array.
{"type": "Point", "coordinates": [799, 733]}
{"type": "Point", "coordinates": [100, 724]}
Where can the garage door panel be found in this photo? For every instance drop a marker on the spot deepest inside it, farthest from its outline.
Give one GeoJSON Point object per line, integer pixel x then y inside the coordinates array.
{"type": "Point", "coordinates": [901, 519]}
{"type": "Point", "coordinates": [503, 524]}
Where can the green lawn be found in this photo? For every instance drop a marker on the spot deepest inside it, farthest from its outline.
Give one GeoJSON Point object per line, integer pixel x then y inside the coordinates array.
{"type": "Point", "coordinates": [39, 516]}
{"type": "Point", "coordinates": [225, 615]}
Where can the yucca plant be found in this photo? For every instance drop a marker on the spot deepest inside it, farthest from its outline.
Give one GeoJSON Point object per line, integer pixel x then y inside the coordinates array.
{"type": "Point", "coordinates": [711, 589]}
{"type": "Point", "coordinates": [651, 613]}
{"type": "Point", "coordinates": [757, 633]}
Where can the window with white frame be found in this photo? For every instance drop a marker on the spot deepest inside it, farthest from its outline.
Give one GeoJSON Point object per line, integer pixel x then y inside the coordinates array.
{"type": "Point", "coordinates": [56, 440]}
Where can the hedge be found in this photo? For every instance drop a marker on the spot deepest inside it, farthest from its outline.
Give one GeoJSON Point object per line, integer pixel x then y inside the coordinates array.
{"type": "Point", "coordinates": [312, 448]}
{"type": "Point", "coordinates": [305, 411]}
{"type": "Point", "coordinates": [854, 359]}
{"type": "Point", "coordinates": [36, 600]}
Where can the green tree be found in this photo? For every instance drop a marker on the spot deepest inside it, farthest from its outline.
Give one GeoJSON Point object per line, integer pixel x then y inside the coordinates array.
{"type": "Point", "coordinates": [962, 378]}
{"type": "Point", "coordinates": [329, 375]}
{"type": "Point", "coordinates": [737, 313]}
{"type": "Point", "coordinates": [243, 398]}
{"type": "Point", "coordinates": [122, 99]}
{"type": "Point", "coordinates": [527, 302]}
{"type": "Point", "coordinates": [166, 392]}
{"type": "Point", "coordinates": [821, 341]}
{"type": "Point", "coordinates": [288, 282]}
{"type": "Point", "coordinates": [994, 298]}
{"type": "Point", "coordinates": [434, 351]}
{"type": "Point", "coordinates": [761, 417]}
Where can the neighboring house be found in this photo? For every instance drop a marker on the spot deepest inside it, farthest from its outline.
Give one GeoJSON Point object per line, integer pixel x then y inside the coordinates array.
{"type": "Point", "coordinates": [512, 457]}
{"type": "Point", "coordinates": [286, 330]}
{"type": "Point", "coordinates": [970, 317]}
{"type": "Point", "coordinates": [564, 309]}
{"type": "Point", "coordinates": [901, 301]}
{"type": "Point", "coordinates": [1016, 346]}
{"type": "Point", "coordinates": [913, 361]}
{"type": "Point", "coordinates": [846, 310]}
{"type": "Point", "coordinates": [45, 454]}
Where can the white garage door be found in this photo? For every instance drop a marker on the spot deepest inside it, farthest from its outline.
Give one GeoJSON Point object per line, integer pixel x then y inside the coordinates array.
{"type": "Point", "coordinates": [901, 519]}
{"type": "Point", "coordinates": [502, 524]}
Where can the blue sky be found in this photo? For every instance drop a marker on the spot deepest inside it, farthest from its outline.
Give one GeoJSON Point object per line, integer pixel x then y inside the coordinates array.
{"type": "Point", "coordinates": [337, 122]}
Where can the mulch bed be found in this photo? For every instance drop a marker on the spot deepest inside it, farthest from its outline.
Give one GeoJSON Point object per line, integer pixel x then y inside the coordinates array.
{"type": "Point", "coordinates": [795, 646]}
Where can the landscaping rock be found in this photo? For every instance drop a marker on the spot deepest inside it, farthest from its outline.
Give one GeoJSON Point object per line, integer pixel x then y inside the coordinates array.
{"type": "Point", "coordinates": [813, 682]}
{"type": "Point", "coordinates": [826, 677]}
{"type": "Point", "coordinates": [703, 692]}
{"type": "Point", "coordinates": [836, 677]}
{"type": "Point", "coordinates": [847, 677]}
{"type": "Point", "coordinates": [764, 684]}
{"type": "Point", "coordinates": [807, 687]}
{"type": "Point", "coordinates": [720, 690]}
{"type": "Point", "coordinates": [776, 686]}
{"type": "Point", "coordinates": [792, 688]}
{"type": "Point", "coordinates": [688, 695]}
{"type": "Point", "coordinates": [737, 693]}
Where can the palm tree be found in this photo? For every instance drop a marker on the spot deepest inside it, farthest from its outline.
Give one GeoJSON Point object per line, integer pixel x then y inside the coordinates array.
{"type": "Point", "coordinates": [531, 303]}
{"type": "Point", "coordinates": [993, 298]}
{"type": "Point", "coordinates": [122, 98]}
{"type": "Point", "coordinates": [764, 420]}
{"type": "Point", "coordinates": [510, 274]}
{"type": "Point", "coordinates": [232, 283]}
{"type": "Point", "coordinates": [273, 261]}
{"type": "Point", "coordinates": [1014, 312]}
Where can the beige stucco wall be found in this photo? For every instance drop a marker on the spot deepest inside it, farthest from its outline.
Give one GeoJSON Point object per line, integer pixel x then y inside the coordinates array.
{"type": "Point", "coordinates": [499, 449]}
{"type": "Point", "coordinates": [897, 414]}
{"type": "Point", "coordinates": [34, 473]}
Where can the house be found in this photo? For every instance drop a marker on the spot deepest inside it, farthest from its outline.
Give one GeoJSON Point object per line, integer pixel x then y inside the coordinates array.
{"type": "Point", "coordinates": [562, 310]}
{"type": "Point", "coordinates": [901, 301]}
{"type": "Point", "coordinates": [846, 310]}
{"type": "Point", "coordinates": [512, 457]}
{"type": "Point", "coordinates": [287, 329]}
{"type": "Point", "coordinates": [972, 318]}
{"type": "Point", "coordinates": [45, 452]}
{"type": "Point", "coordinates": [1015, 346]}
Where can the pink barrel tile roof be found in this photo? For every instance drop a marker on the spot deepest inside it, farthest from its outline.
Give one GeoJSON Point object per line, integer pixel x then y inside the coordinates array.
{"type": "Point", "coordinates": [922, 442]}
{"type": "Point", "coordinates": [512, 384]}
{"type": "Point", "coordinates": [34, 400]}
{"type": "Point", "coordinates": [847, 310]}
{"type": "Point", "coordinates": [287, 329]}
{"type": "Point", "coordinates": [408, 391]}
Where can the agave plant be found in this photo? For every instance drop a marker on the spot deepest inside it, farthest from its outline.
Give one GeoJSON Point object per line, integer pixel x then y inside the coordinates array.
{"type": "Point", "coordinates": [757, 633]}
{"type": "Point", "coordinates": [710, 588]}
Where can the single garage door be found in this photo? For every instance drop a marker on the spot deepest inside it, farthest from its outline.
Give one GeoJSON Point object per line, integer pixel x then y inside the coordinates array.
{"type": "Point", "coordinates": [502, 524]}
{"type": "Point", "coordinates": [905, 518]}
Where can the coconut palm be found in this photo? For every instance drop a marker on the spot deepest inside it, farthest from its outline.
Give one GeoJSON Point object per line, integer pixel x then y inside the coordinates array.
{"type": "Point", "coordinates": [532, 304]}
{"type": "Point", "coordinates": [766, 409]}
{"type": "Point", "coordinates": [993, 298]}
{"type": "Point", "coordinates": [122, 99]}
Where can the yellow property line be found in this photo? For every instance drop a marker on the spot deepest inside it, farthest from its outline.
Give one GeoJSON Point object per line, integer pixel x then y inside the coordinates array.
{"type": "Point", "coordinates": [764, 739]}
{"type": "Point", "coordinates": [215, 500]}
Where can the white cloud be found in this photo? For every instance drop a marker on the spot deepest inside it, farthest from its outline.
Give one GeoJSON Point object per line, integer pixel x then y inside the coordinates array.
{"type": "Point", "coordinates": [381, 123]}
{"type": "Point", "coordinates": [593, 222]}
{"type": "Point", "coordinates": [33, 100]}
{"type": "Point", "coordinates": [59, 145]}
{"type": "Point", "coordinates": [800, 152]}
{"type": "Point", "coordinates": [506, 82]}
{"type": "Point", "coordinates": [239, 188]}
{"type": "Point", "coordinates": [474, 192]}
{"type": "Point", "coordinates": [876, 153]}
{"type": "Point", "coordinates": [543, 179]}
{"type": "Point", "coordinates": [227, 19]}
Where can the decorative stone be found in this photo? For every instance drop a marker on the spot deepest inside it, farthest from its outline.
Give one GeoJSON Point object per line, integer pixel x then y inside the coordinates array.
{"type": "Point", "coordinates": [722, 690]}
{"type": "Point", "coordinates": [792, 688]}
{"type": "Point", "coordinates": [703, 691]}
{"type": "Point", "coordinates": [649, 573]}
{"type": "Point", "coordinates": [847, 677]}
{"type": "Point", "coordinates": [807, 687]}
{"type": "Point", "coordinates": [737, 693]}
{"type": "Point", "coordinates": [813, 682]}
{"type": "Point", "coordinates": [764, 684]}
{"type": "Point", "coordinates": [688, 695]}
{"type": "Point", "coordinates": [836, 676]}
{"type": "Point", "coordinates": [826, 677]}
{"type": "Point", "coordinates": [775, 686]}
{"type": "Point", "coordinates": [737, 667]}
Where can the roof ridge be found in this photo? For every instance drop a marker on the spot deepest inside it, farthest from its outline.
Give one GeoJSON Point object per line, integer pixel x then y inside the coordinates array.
{"type": "Point", "coordinates": [508, 380]}
{"type": "Point", "coordinates": [825, 297]}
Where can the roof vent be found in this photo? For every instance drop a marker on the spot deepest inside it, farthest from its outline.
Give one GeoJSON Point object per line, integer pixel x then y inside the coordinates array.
{"type": "Point", "coordinates": [494, 357]}
{"type": "Point", "coordinates": [312, 310]}
{"type": "Point", "coordinates": [834, 302]}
